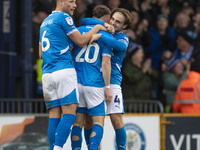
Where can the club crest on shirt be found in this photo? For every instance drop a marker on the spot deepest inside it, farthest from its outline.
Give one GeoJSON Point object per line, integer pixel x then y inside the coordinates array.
{"type": "Point", "coordinates": [69, 20]}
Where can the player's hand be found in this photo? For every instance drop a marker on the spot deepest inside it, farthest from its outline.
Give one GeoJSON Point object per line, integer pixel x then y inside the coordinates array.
{"type": "Point", "coordinates": [108, 95]}
{"type": "Point", "coordinates": [101, 27]}
{"type": "Point", "coordinates": [110, 28]}
{"type": "Point", "coordinates": [95, 37]}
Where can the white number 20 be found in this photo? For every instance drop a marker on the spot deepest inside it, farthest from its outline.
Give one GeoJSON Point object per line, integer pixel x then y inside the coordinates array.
{"type": "Point", "coordinates": [87, 49]}
{"type": "Point", "coordinates": [45, 40]}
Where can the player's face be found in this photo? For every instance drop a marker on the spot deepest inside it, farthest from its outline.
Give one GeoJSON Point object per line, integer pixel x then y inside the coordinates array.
{"type": "Point", "coordinates": [117, 20]}
{"type": "Point", "coordinates": [69, 6]}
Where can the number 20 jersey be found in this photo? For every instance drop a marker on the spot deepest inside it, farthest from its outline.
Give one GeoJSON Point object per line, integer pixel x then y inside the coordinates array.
{"type": "Point", "coordinates": [88, 60]}
{"type": "Point", "coordinates": [55, 43]}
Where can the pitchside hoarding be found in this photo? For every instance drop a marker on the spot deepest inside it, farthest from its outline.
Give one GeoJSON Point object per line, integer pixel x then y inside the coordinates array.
{"type": "Point", "coordinates": [143, 133]}
{"type": "Point", "coordinates": [182, 133]}
{"type": "Point", "coordinates": [30, 132]}
{"type": "Point", "coordinates": [23, 132]}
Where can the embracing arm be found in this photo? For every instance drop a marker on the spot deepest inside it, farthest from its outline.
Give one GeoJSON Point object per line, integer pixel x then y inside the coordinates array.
{"type": "Point", "coordinates": [117, 45]}
{"type": "Point", "coordinates": [91, 21]}
{"type": "Point", "coordinates": [94, 21]}
{"type": "Point", "coordinates": [81, 40]}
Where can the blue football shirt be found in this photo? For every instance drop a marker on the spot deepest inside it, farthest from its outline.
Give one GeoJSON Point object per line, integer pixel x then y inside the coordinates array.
{"type": "Point", "coordinates": [55, 42]}
{"type": "Point", "coordinates": [88, 60]}
{"type": "Point", "coordinates": [117, 53]}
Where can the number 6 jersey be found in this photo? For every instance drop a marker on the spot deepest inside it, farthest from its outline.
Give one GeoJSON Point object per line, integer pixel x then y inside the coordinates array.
{"type": "Point", "coordinates": [55, 43]}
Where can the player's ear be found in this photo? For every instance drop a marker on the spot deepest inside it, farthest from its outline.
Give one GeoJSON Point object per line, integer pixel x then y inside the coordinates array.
{"type": "Point", "coordinates": [124, 26]}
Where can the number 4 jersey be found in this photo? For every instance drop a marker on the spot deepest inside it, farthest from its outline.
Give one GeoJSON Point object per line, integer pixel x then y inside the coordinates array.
{"type": "Point", "coordinates": [88, 60]}
{"type": "Point", "coordinates": [55, 43]}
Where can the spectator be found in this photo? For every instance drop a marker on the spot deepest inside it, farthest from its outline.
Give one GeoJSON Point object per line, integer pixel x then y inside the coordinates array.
{"type": "Point", "coordinates": [80, 12]}
{"type": "Point", "coordinates": [160, 7]}
{"type": "Point", "coordinates": [187, 94]}
{"type": "Point", "coordinates": [140, 33]}
{"type": "Point", "coordinates": [112, 4]}
{"type": "Point", "coordinates": [137, 74]}
{"type": "Point", "coordinates": [164, 36]}
{"type": "Point", "coordinates": [91, 4]}
{"type": "Point", "coordinates": [40, 11]}
{"type": "Point", "coordinates": [182, 22]}
{"type": "Point", "coordinates": [185, 40]}
{"type": "Point", "coordinates": [171, 79]}
{"type": "Point", "coordinates": [196, 23]}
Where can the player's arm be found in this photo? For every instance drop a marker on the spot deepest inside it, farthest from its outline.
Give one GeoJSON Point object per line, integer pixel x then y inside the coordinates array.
{"type": "Point", "coordinates": [106, 71]}
{"type": "Point", "coordinates": [81, 40]}
{"type": "Point", "coordinates": [93, 21]}
{"type": "Point", "coordinates": [40, 51]}
{"type": "Point", "coordinates": [117, 45]}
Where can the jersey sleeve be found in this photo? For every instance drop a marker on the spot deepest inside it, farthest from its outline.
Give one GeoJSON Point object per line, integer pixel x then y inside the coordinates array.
{"type": "Point", "coordinates": [107, 49]}
{"type": "Point", "coordinates": [91, 21]}
{"type": "Point", "coordinates": [68, 24]}
{"type": "Point", "coordinates": [117, 45]}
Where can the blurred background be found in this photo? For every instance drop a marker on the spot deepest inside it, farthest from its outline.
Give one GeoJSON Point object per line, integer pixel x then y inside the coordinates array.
{"type": "Point", "coordinates": [157, 60]}
{"type": "Point", "coordinates": [162, 52]}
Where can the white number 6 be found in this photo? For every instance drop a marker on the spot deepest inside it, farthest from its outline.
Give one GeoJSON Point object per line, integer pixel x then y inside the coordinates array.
{"type": "Point", "coordinates": [45, 40]}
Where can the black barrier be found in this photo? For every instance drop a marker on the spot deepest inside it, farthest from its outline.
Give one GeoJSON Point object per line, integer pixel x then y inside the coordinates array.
{"type": "Point", "coordinates": [182, 133]}
{"type": "Point", "coordinates": [17, 105]}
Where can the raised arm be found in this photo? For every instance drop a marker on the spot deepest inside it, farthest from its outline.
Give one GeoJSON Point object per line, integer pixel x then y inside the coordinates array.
{"type": "Point", "coordinates": [93, 21]}
{"type": "Point", "coordinates": [117, 45]}
{"type": "Point", "coordinates": [81, 40]}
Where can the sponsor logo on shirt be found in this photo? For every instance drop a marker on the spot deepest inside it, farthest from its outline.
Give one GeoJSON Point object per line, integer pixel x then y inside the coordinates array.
{"type": "Point", "coordinates": [69, 20]}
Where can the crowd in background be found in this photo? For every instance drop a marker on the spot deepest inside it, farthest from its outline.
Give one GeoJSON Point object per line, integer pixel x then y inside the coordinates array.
{"type": "Point", "coordinates": [160, 49]}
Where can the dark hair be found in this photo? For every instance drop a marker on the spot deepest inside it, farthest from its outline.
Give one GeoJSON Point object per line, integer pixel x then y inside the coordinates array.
{"type": "Point", "coordinates": [133, 48]}
{"type": "Point", "coordinates": [189, 36]}
{"type": "Point", "coordinates": [42, 7]}
{"type": "Point", "coordinates": [100, 11]}
{"type": "Point", "coordinates": [127, 15]}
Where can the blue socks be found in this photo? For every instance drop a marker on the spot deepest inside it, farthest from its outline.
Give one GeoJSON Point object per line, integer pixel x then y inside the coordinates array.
{"type": "Point", "coordinates": [87, 133]}
{"type": "Point", "coordinates": [53, 123]}
{"type": "Point", "coordinates": [120, 138]}
{"type": "Point", "coordinates": [76, 144]}
{"type": "Point", "coordinates": [95, 140]}
{"type": "Point", "coordinates": [63, 129]}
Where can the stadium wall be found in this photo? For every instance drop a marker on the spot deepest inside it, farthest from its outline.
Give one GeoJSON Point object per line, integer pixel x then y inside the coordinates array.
{"type": "Point", "coordinates": [144, 131]}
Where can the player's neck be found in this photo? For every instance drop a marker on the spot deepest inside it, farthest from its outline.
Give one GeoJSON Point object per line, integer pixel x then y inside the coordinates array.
{"type": "Point", "coordinates": [58, 9]}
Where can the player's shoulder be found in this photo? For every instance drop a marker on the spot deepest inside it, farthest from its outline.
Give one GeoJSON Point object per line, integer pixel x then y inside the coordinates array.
{"type": "Point", "coordinates": [63, 15]}
{"type": "Point", "coordinates": [86, 28]}
{"type": "Point", "coordinates": [121, 35]}
{"type": "Point", "coordinates": [106, 33]}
